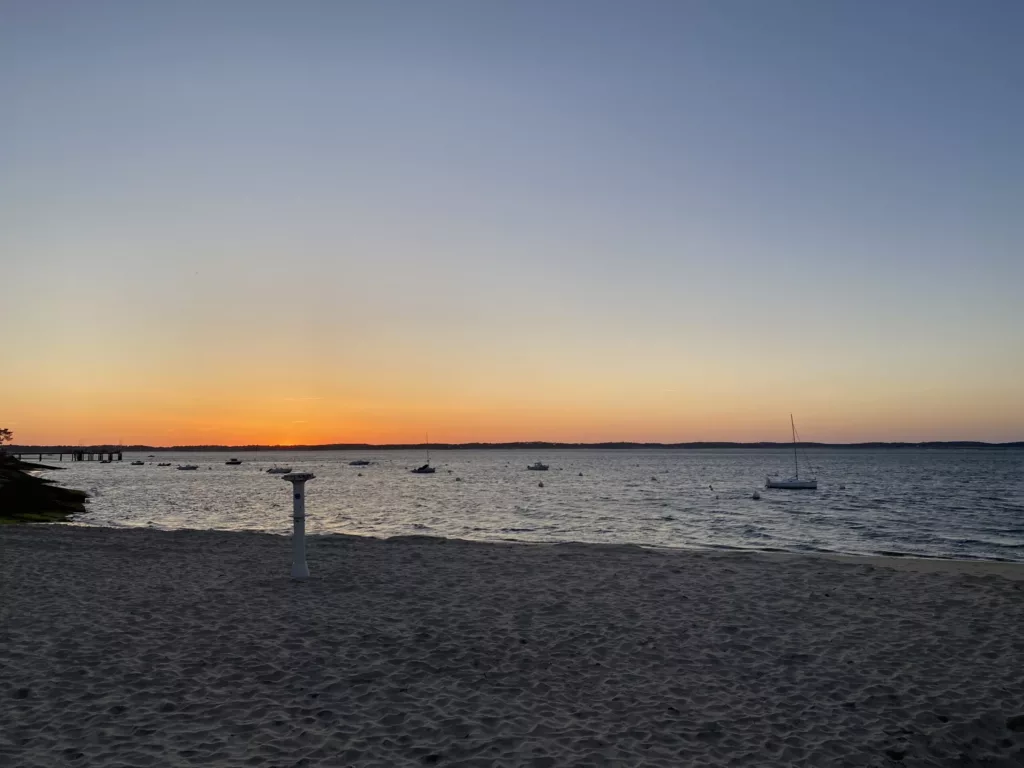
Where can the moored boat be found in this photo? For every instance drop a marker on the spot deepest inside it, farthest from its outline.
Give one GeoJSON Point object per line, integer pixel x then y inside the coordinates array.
{"type": "Point", "coordinates": [794, 483]}
{"type": "Point", "coordinates": [426, 469]}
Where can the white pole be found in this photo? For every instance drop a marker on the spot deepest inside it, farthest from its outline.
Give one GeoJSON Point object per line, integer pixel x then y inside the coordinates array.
{"type": "Point", "coordinates": [298, 480]}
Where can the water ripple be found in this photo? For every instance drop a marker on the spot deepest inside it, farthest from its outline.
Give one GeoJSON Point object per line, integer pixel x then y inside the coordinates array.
{"type": "Point", "coordinates": [966, 504]}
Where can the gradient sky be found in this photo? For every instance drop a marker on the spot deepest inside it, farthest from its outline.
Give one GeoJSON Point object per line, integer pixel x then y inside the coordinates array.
{"type": "Point", "coordinates": [302, 222]}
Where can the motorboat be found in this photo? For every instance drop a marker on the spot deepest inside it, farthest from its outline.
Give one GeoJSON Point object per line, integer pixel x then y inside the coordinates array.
{"type": "Point", "coordinates": [164, 464]}
{"type": "Point", "coordinates": [794, 483]}
{"type": "Point", "coordinates": [359, 463]}
{"type": "Point", "coordinates": [233, 463]}
{"type": "Point", "coordinates": [279, 470]}
{"type": "Point", "coordinates": [138, 463]}
{"type": "Point", "coordinates": [539, 466]}
{"type": "Point", "coordinates": [188, 466]}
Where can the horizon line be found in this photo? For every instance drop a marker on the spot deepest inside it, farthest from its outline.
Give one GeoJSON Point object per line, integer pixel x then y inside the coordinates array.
{"type": "Point", "coordinates": [518, 444]}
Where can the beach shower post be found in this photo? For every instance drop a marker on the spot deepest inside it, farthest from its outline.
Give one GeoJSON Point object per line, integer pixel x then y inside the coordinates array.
{"type": "Point", "coordinates": [298, 480]}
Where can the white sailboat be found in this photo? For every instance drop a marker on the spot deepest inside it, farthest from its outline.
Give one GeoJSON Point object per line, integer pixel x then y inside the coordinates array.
{"type": "Point", "coordinates": [794, 483]}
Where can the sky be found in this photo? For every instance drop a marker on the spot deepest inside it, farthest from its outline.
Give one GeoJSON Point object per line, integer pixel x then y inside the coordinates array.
{"type": "Point", "coordinates": [317, 222]}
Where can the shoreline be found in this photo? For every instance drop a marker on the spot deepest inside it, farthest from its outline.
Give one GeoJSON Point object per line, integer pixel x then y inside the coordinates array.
{"type": "Point", "coordinates": [922, 563]}
{"type": "Point", "coordinates": [532, 446]}
{"type": "Point", "coordinates": [139, 646]}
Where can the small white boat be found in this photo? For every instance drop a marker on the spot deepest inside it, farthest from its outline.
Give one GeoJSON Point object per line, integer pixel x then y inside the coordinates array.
{"type": "Point", "coordinates": [138, 463]}
{"type": "Point", "coordinates": [188, 466]}
{"type": "Point", "coordinates": [794, 483]}
{"type": "Point", "coordinates": [233, 463]}
{"type": "Point", "coordinates": [279, 470]}
{"type": "Point", "coordinates": [539, 466]}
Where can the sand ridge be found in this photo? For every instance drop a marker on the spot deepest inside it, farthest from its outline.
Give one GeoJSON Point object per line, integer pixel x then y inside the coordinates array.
{"type": "Point", "coordinates": [136, 647]}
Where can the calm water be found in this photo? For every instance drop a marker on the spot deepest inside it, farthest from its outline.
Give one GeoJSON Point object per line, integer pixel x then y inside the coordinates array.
{"type": "Point", "coordinates": [964, 504]}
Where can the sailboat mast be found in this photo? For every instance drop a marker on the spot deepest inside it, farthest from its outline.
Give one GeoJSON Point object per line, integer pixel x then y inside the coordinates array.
{"type": "Point", "coordinates": [796, 465]}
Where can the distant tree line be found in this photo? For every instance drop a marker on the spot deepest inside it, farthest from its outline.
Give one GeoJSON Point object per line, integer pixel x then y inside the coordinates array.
{"type": "Point", "coordinates": [533, 445]}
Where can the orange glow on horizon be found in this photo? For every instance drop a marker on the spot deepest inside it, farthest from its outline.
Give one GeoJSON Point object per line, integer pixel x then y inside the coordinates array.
{"type": "Point", "coordinates": [300, 420]}
{"type": "Point", "coordinates": [238, 387]}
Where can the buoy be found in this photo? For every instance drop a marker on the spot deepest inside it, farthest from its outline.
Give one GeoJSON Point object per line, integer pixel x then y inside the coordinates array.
{"type": "Point", "coordinates": [540, 485]}
{"type": "Point", "coordinates": [458, 479]}
{"type": "Point", "coordinates": [360, 474]}
{"type": "Point", "coordinates": [654, 479]}
{"type": "Point", "coordinates": [581, 474]}
{"type": "Point", "coordinates": [842, 487]}
{"type": "Point", "coordinates": [756, 496]}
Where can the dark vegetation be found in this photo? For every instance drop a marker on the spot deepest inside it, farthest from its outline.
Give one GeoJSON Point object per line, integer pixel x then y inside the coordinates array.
{"type": "Point", "coordinates": [25, 498]}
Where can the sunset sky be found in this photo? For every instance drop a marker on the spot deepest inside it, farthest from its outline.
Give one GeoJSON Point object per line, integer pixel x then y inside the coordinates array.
{"type": "Point", "coordinates": [309, 222]}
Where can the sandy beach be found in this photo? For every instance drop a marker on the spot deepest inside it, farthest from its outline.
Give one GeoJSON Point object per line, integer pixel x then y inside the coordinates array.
{"type": "Point", "coordinates": [139, 647]}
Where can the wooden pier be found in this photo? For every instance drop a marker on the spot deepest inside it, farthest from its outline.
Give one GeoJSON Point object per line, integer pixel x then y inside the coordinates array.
{"type": "Point", "coordinates": [105, 453]}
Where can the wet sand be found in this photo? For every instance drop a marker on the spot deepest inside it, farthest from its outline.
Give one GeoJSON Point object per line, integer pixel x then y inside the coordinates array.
{"type": "Point", "coordinates": [137, 647]}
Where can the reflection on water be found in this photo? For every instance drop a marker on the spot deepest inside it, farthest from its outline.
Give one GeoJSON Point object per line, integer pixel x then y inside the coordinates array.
{"type": "Point", "coordinates": [947, 503]}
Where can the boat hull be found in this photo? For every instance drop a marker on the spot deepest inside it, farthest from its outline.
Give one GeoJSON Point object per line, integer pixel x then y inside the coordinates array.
{"type": "Point", "coordinates": [792, 484]}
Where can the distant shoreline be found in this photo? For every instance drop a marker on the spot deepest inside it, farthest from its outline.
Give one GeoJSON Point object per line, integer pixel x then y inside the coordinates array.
{"type": "Point", "coordinates": [530, 446]}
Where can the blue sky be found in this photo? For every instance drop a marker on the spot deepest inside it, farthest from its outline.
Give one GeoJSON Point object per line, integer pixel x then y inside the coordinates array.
{"type": "Point", "coordinates": [795, 203]}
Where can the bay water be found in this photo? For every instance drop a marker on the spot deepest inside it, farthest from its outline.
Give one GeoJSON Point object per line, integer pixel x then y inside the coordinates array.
{"type": "Point", "coordinates": [958, 503]}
